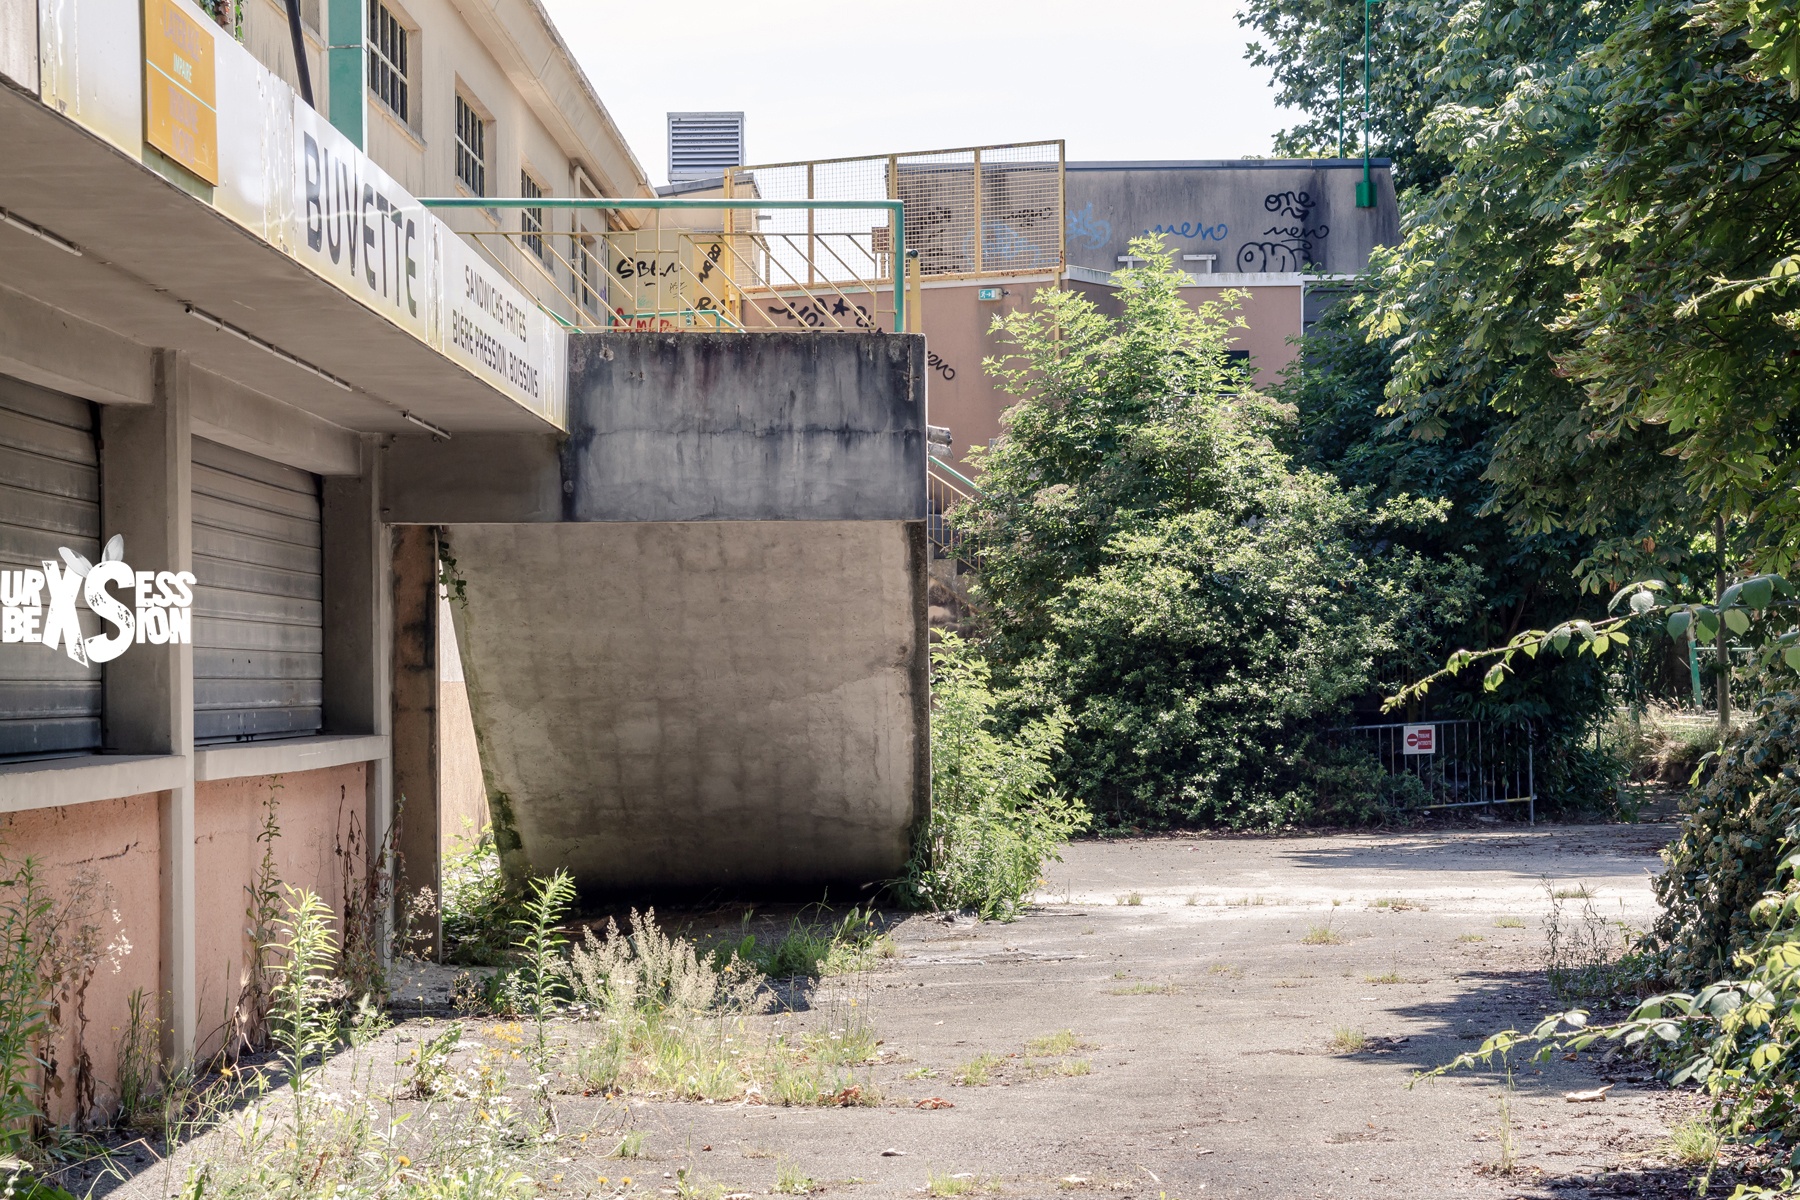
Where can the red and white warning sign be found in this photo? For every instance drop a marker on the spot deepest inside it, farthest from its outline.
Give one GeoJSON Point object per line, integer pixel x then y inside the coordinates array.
{"type": "Point", "coordinates": [1419, 739]}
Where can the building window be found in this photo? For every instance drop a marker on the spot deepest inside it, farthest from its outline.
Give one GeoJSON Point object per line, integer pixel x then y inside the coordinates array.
{"type": "Point", "coordinates": [471, 148]}
{"type": "Point", "coordinates": [531, 220]}
{"type": "Point", "coordinates": [585, 259]}
{"type": "Point", "coordinates": [387, 60]}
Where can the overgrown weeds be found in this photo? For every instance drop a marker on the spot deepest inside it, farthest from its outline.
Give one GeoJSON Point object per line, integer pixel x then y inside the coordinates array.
{"type": "Point", "coordinates": [997, 815]}
{"type": "Point", "coordinates": [811, 949]}
{"type": "Point", "coordinates": [672, 1023]}
{"type": "Point", "coordinates": [479, 905]}
{"type": "Point", "coordinates": [1584, 952]}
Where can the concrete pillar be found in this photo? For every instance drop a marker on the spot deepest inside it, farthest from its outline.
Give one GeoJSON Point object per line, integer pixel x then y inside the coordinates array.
{"type": "Point", "coordinates": [359, 629]}
{"type": "Point", "coordinates": [415, 683]}
{"type": "Point", "coordinates": [146, 488]}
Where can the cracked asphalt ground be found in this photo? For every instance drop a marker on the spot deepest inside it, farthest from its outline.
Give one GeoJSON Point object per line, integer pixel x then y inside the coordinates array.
{"type": "Point", "coordinates": [1206, 999]}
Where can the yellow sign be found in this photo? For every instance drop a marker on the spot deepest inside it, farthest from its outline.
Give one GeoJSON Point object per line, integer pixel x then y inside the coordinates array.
{"type": "Point", "coordinates": [180, 105]}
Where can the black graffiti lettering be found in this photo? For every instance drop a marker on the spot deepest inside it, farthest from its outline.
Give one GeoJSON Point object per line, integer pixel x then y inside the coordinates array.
{"type": "Point", "coordinates": [1289, 204]}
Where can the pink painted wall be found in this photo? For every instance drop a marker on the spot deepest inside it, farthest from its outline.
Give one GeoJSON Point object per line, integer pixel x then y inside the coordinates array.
{"type": "Point", "coordinates": [315, 810]}
{"type": "Point", "coordinates": [114, 848]}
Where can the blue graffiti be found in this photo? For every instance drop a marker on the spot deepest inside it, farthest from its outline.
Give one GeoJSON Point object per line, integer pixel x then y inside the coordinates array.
{"type": "Point", "coordinates": [1004, 247]}
{"type": "Point", "coordinates": [1084, 227]}
{"type": "Point", "coordinates": [1193, 229]}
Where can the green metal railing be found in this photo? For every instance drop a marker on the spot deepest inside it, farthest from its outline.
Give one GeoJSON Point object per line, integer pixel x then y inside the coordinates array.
{"type": "Point", "coordinates": [945, 488]}
{"type": "Point", "coordinates": [687, 275]}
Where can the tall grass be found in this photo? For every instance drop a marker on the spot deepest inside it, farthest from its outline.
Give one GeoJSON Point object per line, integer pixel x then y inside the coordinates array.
{"type": "Point", "coordinates": [997, 814]}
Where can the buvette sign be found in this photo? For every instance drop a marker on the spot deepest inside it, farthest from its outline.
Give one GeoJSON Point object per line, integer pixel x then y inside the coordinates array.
{"type": "Point", "coordinates": [39, 606]}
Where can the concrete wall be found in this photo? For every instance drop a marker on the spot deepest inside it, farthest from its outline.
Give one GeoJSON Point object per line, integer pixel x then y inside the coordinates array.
{"type": "Point", "coordinates": [462, 795]}
{"type": "Point", "coordinates": [744, 427]}
{"type": "Point", "coordinates": [694, 642]}
{"type": "Point", "coordinates": [1256, 216]}
{"type": "Point", "coordinates": [695, 427]}
{"type": "Point", "coordinates": [704, 705]}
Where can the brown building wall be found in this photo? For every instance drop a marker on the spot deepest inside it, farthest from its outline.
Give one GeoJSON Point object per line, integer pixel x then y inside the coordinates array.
{"type": "Point", "coordinates": [958, 337]}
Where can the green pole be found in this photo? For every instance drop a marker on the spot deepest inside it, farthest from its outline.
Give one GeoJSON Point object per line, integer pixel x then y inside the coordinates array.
{"type": "Point", "coordinates": [1694, 669]}
{"type": "Point", "coordinates": [1365, 191]}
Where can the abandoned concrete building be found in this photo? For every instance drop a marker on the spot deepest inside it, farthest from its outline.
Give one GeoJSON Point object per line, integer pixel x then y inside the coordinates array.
{"type": "Point", "coordinates": [380, 455]}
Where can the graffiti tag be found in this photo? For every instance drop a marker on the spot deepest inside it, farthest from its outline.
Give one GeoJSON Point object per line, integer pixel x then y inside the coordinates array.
{"type": "Point", "coordinates": [1084, 227]}
{"type": "Point", "coordinates": [1197, 230]}
{"type": "Point", "coordinates": [815, 315]}
{"type": "Point", "coordinates": [1285, 248]}
{"type": "Point", "coordinates": [935, 363]}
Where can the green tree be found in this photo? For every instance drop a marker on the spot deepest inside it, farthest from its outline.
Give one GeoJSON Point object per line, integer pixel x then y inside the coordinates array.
{"type": "Point", "coordinates": [1158, 569]}
{"type": "Point", "coordinates": [1695, 179]}
{"type": "Point", "coordinates": [1337, 386]}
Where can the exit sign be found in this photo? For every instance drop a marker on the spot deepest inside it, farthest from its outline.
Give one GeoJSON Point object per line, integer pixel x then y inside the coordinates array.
{"type": "Point", "coordinates": [988, 293]}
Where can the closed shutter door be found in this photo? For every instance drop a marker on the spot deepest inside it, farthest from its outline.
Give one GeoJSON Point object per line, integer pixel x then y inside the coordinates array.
{"type": "Point", "coordinates": [258, 606]}
{"type": "Point", "coordinates": [49, 498]}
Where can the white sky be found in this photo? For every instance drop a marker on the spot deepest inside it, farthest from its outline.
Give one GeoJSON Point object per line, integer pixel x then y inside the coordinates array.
{"type": "Point", "coordinates": [830, 78]}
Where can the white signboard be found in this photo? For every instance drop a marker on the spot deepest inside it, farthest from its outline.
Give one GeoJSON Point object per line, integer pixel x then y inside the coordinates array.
{"type": "Point", "coordinates": [357, 228]}
{"type": "Point", "coordinates": [490, 327]}
{"type": "Point", "coordinates": [1418, 739]}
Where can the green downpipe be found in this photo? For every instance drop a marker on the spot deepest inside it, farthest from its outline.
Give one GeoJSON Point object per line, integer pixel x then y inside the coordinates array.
{"type": "Point", "coordinates": [346, 64]}
{"type": "Point", "coordinates": [1365, 191]}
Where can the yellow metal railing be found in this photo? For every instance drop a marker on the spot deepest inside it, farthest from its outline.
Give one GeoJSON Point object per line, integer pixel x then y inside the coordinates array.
{"type": "Point", "coordinates": [703, 264]}
{"type": "Point", "coordinates": [970, 212]}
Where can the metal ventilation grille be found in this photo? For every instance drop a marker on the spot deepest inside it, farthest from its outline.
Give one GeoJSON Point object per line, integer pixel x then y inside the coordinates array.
{"type": "Point", "coordinates": [49, 498]}
{"type": "Point", "coordinates": [703, 145]}
{"type": "Point", "coordinates": [259, 637]}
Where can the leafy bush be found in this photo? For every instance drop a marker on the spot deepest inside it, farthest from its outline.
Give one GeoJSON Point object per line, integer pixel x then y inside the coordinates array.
{"type": "Point", "coordinates": [1156, 566]}
{"type": "Point", "coordinates": [996, 813]}
{"type": "Point", "coordinates": [1731, 845]}
{"type": "Point", "coordinates": [480, 905]}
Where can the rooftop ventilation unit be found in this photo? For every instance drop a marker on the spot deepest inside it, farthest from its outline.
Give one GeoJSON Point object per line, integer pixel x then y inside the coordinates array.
{"type": "Point", "coordinates": [703, 144]}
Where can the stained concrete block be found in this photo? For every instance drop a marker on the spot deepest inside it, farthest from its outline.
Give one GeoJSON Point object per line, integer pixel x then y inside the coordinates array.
{"type": "Point", "coordinates": [683, 706]}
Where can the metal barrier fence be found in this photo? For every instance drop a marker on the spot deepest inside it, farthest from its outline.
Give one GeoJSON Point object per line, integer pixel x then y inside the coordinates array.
{"type": "Point", "coordinates": [971, 211]}
{"type": "Point", "coordinates": [1460, 764]}
{"type": "Point", "coordinates": [945, 489]}
{"type": "Point", "coordinates": [703, 264]}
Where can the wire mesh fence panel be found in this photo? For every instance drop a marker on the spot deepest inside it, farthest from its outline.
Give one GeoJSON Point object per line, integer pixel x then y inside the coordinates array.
{"type": "Point", "coordinates": [1021, 210]}
{"type": "Point", "coordinates": [1454, 764]}
{"type": "Point", "coordinates": [979, 210]}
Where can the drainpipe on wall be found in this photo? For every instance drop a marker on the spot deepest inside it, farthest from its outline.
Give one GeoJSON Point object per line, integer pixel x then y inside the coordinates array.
{"type": "Point", "coordinates": [301, 69]}
{"type": "Point", "coordinates": [1365, 191]}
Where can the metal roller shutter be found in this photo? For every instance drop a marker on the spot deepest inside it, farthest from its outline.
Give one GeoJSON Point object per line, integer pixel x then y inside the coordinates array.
{"type": "Point", "coordinates": [258, 607]}
{"type": "Point", "coordinates": [49, 498]}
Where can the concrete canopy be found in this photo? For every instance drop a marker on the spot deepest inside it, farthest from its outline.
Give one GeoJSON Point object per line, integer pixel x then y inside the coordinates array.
{"type": "Point", "coordinates": [150, 250]}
